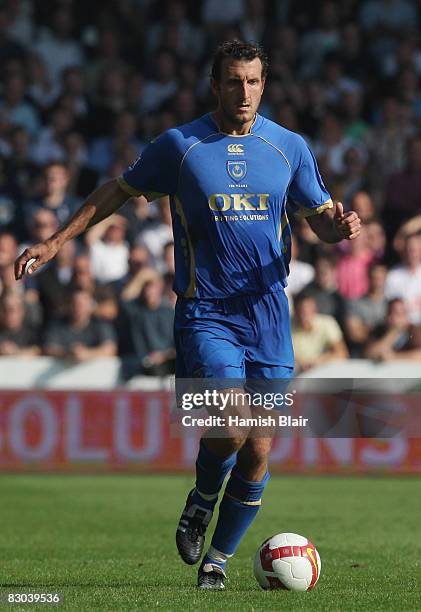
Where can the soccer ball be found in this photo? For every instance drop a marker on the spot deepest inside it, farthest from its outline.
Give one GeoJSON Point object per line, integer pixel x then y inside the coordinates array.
{"type": "Point", "coordinates": [287, 561]}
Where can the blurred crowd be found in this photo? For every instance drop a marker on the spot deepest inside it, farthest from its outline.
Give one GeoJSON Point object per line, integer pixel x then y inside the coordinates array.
{"type": "Point", "coordinates": [84, 87]}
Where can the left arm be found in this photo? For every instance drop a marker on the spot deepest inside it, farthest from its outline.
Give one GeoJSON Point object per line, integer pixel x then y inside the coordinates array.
{"type": "Point", "coordinates": [333, 225]}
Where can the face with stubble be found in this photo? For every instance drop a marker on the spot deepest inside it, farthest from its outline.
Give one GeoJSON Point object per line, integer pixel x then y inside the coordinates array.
{"type": "Point", "coordinates": [239, 90]}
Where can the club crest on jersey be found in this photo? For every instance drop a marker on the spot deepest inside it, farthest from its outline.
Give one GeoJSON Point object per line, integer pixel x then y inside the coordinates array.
{"type": "Point", "coordinates": [237, 170]}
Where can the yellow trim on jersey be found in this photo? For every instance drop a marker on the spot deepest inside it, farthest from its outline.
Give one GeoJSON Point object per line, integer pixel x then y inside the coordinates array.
{"type": "Point", "coordinates": [149, 195]}
{"type": "Point", "coordinates": [309, 212]}
{"type": "Point", "coordinates": [191, 289]}
{"type": "Point", "coordinates": [283, 224]}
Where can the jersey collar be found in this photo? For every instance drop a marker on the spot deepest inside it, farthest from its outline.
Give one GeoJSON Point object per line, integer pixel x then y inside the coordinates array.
{"type": "Point", "coordinates": [253, 129]}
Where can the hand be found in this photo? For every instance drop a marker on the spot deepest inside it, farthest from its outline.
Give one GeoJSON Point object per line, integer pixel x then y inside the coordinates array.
{"type": "Point", "coordinates": [80, 352]}
{"type": "Point", "coordinates": [41, 253]}
{"type": "Point", "coordinates": [155, 358]}
{"type": "Point", "coordinates": [8, 348]}
{"type": "Point", "coordinates": [348, 225]}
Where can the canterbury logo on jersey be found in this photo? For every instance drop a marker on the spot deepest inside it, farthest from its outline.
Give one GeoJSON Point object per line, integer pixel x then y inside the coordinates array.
{"type": "Point", "coordinates": [235, 149]}
{"type": "Point", "coordinates": [239, 201]}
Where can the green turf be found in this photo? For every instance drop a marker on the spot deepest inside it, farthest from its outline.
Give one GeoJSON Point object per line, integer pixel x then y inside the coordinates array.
{"type": "Point", "coordinates": [107, 543]}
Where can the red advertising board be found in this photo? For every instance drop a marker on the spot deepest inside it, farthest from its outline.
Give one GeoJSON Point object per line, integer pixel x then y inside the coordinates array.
{"type": "Point", "coordinates": [130, 431]}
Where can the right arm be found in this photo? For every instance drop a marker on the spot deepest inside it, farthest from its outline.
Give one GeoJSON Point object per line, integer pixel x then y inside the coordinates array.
{"type": "Point", "coordinates": [103, 202]}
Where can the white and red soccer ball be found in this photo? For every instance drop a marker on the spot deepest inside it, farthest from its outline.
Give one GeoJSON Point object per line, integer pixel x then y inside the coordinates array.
{"type": "Point", "coordinates": [287, 561]}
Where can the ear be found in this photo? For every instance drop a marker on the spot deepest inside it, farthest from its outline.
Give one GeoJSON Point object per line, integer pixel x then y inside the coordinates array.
{"type": "Point", "coordinates": [214, 86]}
{"type": "Point", "coordinates": [263, 84]}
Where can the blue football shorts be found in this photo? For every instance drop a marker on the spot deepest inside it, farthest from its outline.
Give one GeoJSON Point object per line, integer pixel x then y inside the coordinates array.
{"type": "Point", "coordinates": [245, 338]}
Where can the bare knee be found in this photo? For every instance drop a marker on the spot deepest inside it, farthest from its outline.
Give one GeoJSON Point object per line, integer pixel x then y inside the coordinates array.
{"type": "Point", "coordinates": [224, 447]}
{"type": "Point", "coordinates": [253, 458]}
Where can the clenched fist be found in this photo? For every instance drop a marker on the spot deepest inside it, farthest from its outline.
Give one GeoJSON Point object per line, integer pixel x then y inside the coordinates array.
{"type": "Point", "coordinates": [348, 225]}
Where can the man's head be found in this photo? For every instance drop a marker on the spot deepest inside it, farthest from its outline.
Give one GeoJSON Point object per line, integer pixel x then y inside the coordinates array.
{"type": "Point", "coordinates": [116, 230]}
{"type": "Point", "coordinates": [325, 273]}
{"type": "Point", "coordinates": [397, 316]}
{"type": "Point", "coordinates": [82, 277]}
{"type": "Point", "coordinates": [152, 292]}
{"type": "Point", "coordinates": [363, 205]}
{"type": "Point", "coordinates": [81, 305]}
{"type": "Point", "coordinates": [412, 251]}
{"type": "Point", "coordinates": [305, 310]}
{"type": "Point", "coordinates": [377, 277]}
{"type": "Point", "coordinates": [238, 78]}
{"type": "Point", "coordinates": [12, 311]}
{"type": "Point", "coordinates": [56, 178]}
{"type": "Point", "coordinates": [43, 224]}
{"type": "Point", "coordinates": [8, 249]}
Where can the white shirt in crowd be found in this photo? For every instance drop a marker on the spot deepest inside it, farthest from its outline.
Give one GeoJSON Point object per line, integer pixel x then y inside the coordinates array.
{"type": "Point", "coordinates": [109, 261]}
{"type": "Point", "coordinates": [406, 284]}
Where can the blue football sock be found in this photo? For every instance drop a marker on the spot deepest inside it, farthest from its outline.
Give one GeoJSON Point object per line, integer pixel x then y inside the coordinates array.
{"type": "Point", "coordinates": [210, 475]}
{"type": "Point", "coordinates": [239, 506]}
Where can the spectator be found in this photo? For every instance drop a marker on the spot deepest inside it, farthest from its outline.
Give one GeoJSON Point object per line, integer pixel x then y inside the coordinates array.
{"type": "Point", "coordinates": [109, 250]}
{"type": "Point", "coordinates": [17, 338]}
{"type": "Point", "coordinates": [8, 254]}
{"type": "Point", "coordinates": [397, 338]}
{"type": "Point", "coordinates": [56, 197]}
{"type": "Point", "coordinates": [40, 90]}
{"type": "Point", "coordinates": [130, 286]}
{"type": "Point", "coordinates": [404, 280]}
{"type": "Point", "coordinates": [301, 273]}
{"type": "Point", "coordinates": [9, 47]}
{"type": "Point", "coordinates": [106, 306]}
{"type": "Point", "coordinates": [82, 277]}
{"type": "Point", "coordinates": [403, 199]}
{"type": "Point", "coordinates": [19, 166]}
{"type": "Point", "coordinates": [137, 212]}
{"type": "Point", "coordinates": [366, 313]}
{"type": "Point", "coordinates": [410, 228]}
{"type": "Point", "coordinates": [108, 149]}
{"type": "Point", "coordinates": [56, 44]}
{"type": "Point", "coordinates": [158, 233]}
{"type": "Point", "coordinates": [317, 338]}
{"type": "Point", "coordinates": [363, 204]}
{"type": "Point", "coordinates": [323, 290]}
{"type": "Point", "coordinates": [376, 239]}
{"type": "Point", "coordinates": [49, 146]}
{"type": "Point", "coordinates": [9, 200]}
{"type": "Point", "coordinates": [352, 268]}
{"type": "Point", "coordinates": [81, 337]}
{"type": "Point", "coordinates": [150, 346]}
{"type": "Point", "coordinates": [107, 57]}
{"type": "Point", "coordinates": [388, 141]}
{"type": "Point", "coordinates": [332, 144]}
{"type": "Point", "coordinates": [19, 111]}
{"type": "Point", "coordinates": [52, 284]}
{"type": "Point", "coordinates": [82, 178]}
{"type": "Point", "coordinates": [42, 224]}
{"type": "Point", "coordinates": [163, 85]}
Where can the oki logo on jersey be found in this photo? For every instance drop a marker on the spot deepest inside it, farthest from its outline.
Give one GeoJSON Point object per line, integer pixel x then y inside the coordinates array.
{"type": "Point", "coordinates": [238, 201]}
{"type": "Point", "coordinates": [237, 170]}
{"type": "Point", "coordinates": [235, 149]}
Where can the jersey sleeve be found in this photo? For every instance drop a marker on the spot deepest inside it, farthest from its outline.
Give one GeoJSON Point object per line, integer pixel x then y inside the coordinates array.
{"type": "Point", "coordinates": [307, 193]}
{"type": "Point", "coordinates": [155, 172]}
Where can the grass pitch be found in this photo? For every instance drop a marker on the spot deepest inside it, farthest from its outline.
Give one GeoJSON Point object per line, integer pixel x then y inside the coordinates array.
{"type": "Point", "coordinates": [107, 543]}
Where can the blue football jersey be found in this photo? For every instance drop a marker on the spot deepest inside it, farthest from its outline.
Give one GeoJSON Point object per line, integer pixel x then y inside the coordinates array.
{"type": "Point", "coordinates": [228, 199]}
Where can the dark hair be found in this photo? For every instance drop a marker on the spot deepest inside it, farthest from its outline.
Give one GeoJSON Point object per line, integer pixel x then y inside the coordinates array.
{"type": "Point", "coordinates": [305, 294]}
{"type": "Point", "coordinates": [238, 50]}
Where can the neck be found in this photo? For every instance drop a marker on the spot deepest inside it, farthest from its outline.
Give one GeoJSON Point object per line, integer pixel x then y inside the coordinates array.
{"type": "Point", "coordinates": [55, 199]}
{"type": "Point", "coordinates": [376, 294]}
{"type": "Point", "coordinates": [227, 126]}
